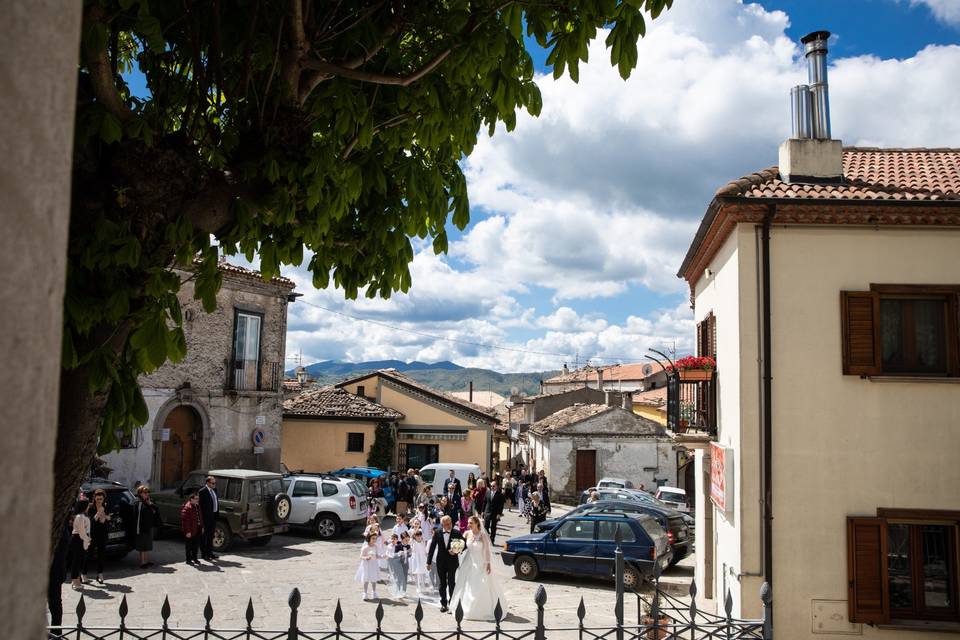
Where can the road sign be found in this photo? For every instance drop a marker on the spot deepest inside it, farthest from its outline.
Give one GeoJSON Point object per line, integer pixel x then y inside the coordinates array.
{"type": "Point", "coordinates": [258, 436]}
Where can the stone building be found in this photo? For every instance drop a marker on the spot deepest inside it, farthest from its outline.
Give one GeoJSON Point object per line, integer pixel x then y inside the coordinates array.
{"type": "Point", "coordinates": [579, 445]}
{"type": "Point", "coordinates": [207, 410]}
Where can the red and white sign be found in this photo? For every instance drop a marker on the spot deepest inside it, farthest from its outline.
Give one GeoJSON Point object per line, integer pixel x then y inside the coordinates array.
{"type": "Point", "coordinates": [721, 477]}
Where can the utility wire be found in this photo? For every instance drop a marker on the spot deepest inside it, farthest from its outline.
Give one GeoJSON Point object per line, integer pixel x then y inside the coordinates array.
{"type": "Point", "coordinates": [458, 341]}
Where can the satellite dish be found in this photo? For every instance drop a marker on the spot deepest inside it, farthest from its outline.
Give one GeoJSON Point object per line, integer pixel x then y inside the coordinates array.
{"type": "Point", "coordinates": [647, 369]}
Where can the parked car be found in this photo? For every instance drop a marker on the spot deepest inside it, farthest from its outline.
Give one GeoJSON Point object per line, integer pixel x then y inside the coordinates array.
{"type": "Point", "coordinates": [584, 545]}
{"type": "Point", "coordinates": [253, 505]}
{"type": "Point", "coordinates": [119, 505]}
{"type": "Point", "coordinates": [674, 497]}
{"type": "Point", "coordinates": [435, 474]}
{"type": "Point", "coordinates": [670, 520]}
{"type": "Point", "coordinates": [365, 475]}
{"type": "Point", "coordinates": [620, 494]}
{"type": "Point", "coordinates": [327, 504]}
{"type": "Point", "coordinates": [614, 483]}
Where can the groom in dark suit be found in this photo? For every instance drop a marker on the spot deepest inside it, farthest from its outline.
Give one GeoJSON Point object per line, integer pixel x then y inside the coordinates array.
{"type": "Point", "coordinates": [447, 562]}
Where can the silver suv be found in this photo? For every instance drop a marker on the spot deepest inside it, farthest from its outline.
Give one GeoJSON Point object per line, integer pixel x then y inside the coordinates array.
{"type": "Point", "coordinates": [325, 503]}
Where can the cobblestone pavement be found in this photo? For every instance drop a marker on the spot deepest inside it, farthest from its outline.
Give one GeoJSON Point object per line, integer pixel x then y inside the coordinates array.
{"type": "Point", "coordinates": [324, 572]}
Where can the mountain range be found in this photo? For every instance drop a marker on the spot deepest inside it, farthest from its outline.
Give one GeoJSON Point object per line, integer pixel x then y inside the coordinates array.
{"type": "Point", "coordinates": [444, 376]}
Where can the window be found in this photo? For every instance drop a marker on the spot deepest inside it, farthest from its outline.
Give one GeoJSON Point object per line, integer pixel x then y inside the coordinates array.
{"type": "Point", "coordinates": [355, 442]}
{"type": "Point", "coordinates": [360, 390]}
{"type": "Point", "coordinates": [329, 489]}
{"type": "Point", "coordinates": [304, 489]}
{"type": "Point", "coordinates": [903, 566]}
{"type": "Point", "coordinates": [908, 330]}
{"type": "Point", "coordinates": [246, 351]}
{"type": "Point", "coordinates": [607, 531]}
{"type": "Point", "coordinates": [232, 489]}
{"type": "Point", "coordinates": [707, 336]}
{"type": "Point", "coordinates": [256, 492]}
{"type": "Point", "coordinates": [576, 530]}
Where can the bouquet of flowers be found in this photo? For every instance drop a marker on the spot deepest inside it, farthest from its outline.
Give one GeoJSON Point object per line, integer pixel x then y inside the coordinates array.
{"type": "Point", "coordinates": [457, 545]}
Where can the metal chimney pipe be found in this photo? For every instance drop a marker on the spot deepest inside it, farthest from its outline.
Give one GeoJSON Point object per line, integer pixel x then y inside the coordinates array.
{"type": "Point", "coordinates": [801, 112]}
{"type": "Point", "coordinates": [815, 50]}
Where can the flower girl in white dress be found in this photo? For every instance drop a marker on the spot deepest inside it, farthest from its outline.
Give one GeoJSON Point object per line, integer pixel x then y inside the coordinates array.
{"type": "Point", "coordinates": [369, 570]}
{"type": "Point", "coordinates": [418, 560]}
{"type": "Point", "coordinates": [477, 590]}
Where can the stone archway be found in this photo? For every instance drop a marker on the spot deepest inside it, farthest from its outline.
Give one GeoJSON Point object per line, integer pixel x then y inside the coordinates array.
{"type": "Point", "coordinates": [181, 437]}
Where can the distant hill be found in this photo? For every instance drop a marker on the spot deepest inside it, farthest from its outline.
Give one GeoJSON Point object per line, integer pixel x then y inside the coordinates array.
{"type": "Point", "coordinates": [444, 376]}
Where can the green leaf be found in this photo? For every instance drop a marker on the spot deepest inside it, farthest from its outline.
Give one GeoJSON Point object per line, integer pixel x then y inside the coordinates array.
{"type": "Point", "coordinates": [138, 411]}
{"type": "Point", "coordinates": [110, 130]}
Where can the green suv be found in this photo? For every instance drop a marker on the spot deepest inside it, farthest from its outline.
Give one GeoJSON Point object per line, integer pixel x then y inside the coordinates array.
{"type": "Point", "coordinates": [253, 505]}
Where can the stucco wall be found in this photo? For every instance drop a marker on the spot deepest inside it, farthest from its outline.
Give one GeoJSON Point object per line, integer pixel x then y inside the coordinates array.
{"type": "Point", "coordinates": [845, 446]}
{"type": "Point", "coordinates": [321, 445]}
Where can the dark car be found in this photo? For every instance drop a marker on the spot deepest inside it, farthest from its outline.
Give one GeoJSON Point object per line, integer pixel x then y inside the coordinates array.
{"type": "Point", "coordinates": [616, 493]}
{"type": "Point", "coordinates": [119, 505]}
{"type": "Point", "coordinates": [671, 521]}
{"type": "Point", "coordinates": [585, 544]}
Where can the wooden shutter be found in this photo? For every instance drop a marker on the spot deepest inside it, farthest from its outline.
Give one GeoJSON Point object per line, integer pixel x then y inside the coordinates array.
{"type": "Point", "coordinates": [867, 591]}
{"type": "Point", "coordinates": [700, 339]}
{"type": "Point", "coordinates": [860, 316]}
{"type": "Point", "coordinates": [712, 336]}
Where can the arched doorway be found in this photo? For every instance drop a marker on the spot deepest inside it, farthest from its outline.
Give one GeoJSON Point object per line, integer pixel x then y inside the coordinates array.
{"type": "Point", "coordinates": [180, 446]}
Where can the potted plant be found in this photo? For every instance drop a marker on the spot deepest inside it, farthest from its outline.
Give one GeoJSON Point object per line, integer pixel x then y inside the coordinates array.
{"type": "Point", "coordinates": [656, 629]}
{"type": "Point", "coordinates": [695, 367]}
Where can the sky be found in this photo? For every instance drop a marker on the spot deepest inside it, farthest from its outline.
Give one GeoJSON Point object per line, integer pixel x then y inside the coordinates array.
{"type": "Point", "coordinates": [581, 217]}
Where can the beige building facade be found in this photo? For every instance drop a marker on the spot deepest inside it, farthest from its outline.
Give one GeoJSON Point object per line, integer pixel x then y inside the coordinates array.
{"type": "Point", "coordinates": [844, 296]}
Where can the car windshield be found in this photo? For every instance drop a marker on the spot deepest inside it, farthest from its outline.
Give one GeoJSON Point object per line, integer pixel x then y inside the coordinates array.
{"type": "Point", "coordinates": [612, 484]}
{"type": "Point", "coordinates": [672, 496]}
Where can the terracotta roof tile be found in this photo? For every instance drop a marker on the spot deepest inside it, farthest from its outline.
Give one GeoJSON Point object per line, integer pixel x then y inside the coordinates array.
{"type": "Point", "coordinates": [568, 416]}
{"type": "Point", "coordinates": [331, 402]}
{"type": "Point", "coordinates": [869, 174]}
{"type": "Point", "coordinates": [611, 373]}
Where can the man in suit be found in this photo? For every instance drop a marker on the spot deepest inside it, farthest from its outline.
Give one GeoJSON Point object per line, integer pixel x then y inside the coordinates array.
{"type": "Point", "coordinates": [209, 508]}
{"type": "Point", "coordinates": [493, 510]}
{"type": "Point", "coordinates": [447, 562]}
{"type": "Point", "coordinates": [457, 489]}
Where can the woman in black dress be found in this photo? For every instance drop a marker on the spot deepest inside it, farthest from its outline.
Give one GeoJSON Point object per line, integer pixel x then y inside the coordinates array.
{"type": "Point", "coordinates": [145, 518]}
{"type": "Point", "coordinates": [99, 530]}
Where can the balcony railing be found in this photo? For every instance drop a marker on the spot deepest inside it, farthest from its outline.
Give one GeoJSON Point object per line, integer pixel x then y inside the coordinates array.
{"type": "Point", "coordinates": [692, 404]}
{"type": "Point", "coordinates": [245, 375]}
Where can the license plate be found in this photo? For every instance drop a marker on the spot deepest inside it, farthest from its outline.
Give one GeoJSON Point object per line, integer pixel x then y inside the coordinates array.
{"type": "Point", "coordinates": [116, 535]}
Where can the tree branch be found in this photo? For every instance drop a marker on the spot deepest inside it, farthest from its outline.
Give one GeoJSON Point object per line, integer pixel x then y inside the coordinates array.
{"type": "Point", "coordinates": [377, 78]}
{"type": "Point", "coordinates": [101, 73]}
{"type": "Point", "coordinates": [314, 78]}
{"type": "Point", "coordinates": [392, 122]}
{"type": "Point", "coordinates": [292, 57]}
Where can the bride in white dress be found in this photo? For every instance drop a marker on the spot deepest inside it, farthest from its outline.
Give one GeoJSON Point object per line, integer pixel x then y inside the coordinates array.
{"type": "Point", "coordinates": [477, 590]}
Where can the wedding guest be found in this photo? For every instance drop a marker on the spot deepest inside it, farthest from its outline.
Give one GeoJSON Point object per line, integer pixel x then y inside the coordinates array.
{"type": "Point", "coordinates": [471, 481]}
{"type": "Point", "coordinates": [368, 572]}
{"type": "Point", "coordinates": [480, 496]}
{"type": "Point", "coordinates": [397, 559]}
{"type": "Point", "coordinates": [191, 525]}
{"type": "Point", "coordinates": [538, 511]}
{"type": "Point", "coordinates": [147, 517]}
{"type": "Point", "coordinates": [466, 510]}
{"type": "Point", "coordinates": [209, 508]}
{"type": "Point", "coordinates": [99, 530]}
{"type": "Point", "coordinates": [493, 511]}
{"type": "Point", "coordinates": [79, 543]}
{"type": "Point", "coordinates": [418, 561]}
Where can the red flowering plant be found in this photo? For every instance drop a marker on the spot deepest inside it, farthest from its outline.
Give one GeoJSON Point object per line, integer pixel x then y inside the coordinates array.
{"type": "Point", "coordinates": [687, 363]}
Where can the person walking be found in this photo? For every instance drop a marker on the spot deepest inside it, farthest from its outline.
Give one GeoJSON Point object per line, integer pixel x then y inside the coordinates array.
{"type": "Point", "coordinates": [404, 497]}
{"type": "Point", "coordinates": [538, 511]}
{"type": "Point", "coordinates": [79, 543]}
{"type": "Point", "coordinates": [453, 482]}
{"type": "Point", "coordinates": [447, 559]}
{"type": "Point", "coordinates": [493, 511]}
{"type": "Point", "coordinates": [209, 508]}
{"type": "Point", "coordinates": [480, 496]}
{"type": "Point", "coordinates": [191, 524]}
{"type": "Point", "coordinates": [146, 518]}
{"type": "Point", "coordinates": [368, 572]}
{"type": "Point", "coordinates": [99, 530]}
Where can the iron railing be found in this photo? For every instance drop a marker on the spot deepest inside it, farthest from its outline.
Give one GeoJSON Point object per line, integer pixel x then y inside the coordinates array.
{"type": "Point", "coordinates": [661, 617]}
{"type": "Point", "coordinates": [238, 378]}
{"type": "Point", "coordinates": [692, 404]}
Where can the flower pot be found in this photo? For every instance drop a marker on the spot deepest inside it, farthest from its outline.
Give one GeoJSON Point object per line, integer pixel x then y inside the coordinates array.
{"type": "Point", "coordinates": [696, 374]}
{"type": "Point", "coordinates": [657, 633]}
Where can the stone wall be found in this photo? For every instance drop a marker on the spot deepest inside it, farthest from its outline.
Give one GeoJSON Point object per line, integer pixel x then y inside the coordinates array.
{"type": "Point", "coordinates": [643, 460]}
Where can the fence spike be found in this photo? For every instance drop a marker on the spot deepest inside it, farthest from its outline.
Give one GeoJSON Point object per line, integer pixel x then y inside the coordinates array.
{"type": "Point", "coordinates": [728, 604]}
{"type": "Point", "coordinates": [766, 593]}
{"type": "Point", "coordinates": [458, 614]}
{"type": "Point", "coordinates": [581, 611]}
{"type": "Point", "coordinates": [124, 609]}
{"type": "Point", "coordinates": [541, 596]}
{"type": "Point", "coordinates": [379, 613]}
{"type": "Point", "coordinates": [165, 610]}
{"type": "Point", "coordinates": [338, 614]}
{"type": "Point", "coordinates": [81, 610]}
{"type": "Point", "coordinates": [249, 613]}
{"type": "Point", "coordinates": [498, 613]}
{"type": "Point", "coordinates": [693, 589]}
{"type": "Point", "coordinates": [208, 612]}
{"type": "Point", "coordinates": [418, 612]}
{"type": "Point", "coordinates": [294, 599]}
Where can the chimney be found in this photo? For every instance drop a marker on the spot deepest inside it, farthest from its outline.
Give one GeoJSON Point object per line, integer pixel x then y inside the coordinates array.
{"type": "Point", "coordinates": [599, 378]}
{"type": "Point", "coordinates": [628, 401]}
{"type": "Point", "coordinates": [541, 386]}
{"type": "Point", "coordinates": [610, 398]}
{"type": "Point", "coordinates": [810, 155]}
{"type": "Point", "coordinates": [471, 391]}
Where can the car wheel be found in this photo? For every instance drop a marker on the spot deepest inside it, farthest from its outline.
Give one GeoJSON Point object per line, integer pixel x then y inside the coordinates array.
{"type": "Point", "coordinates": [526, 568]}
{"type": "Point", "coordinates": [261, 541]}
{"type": "Point", "coordinates": [281, 507]}
{"type": "Point", "coordinates": [327, 526]}
{"type": "Point", "coordinates": [631, 578]}
{"type": "Point", "coordinates": [222, 537]}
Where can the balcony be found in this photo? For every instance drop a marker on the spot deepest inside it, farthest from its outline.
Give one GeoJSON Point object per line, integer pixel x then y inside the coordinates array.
{"type": "Point", "coordinates": [692, 405]}
{"type": "Point", "coordinates": [246, 375]}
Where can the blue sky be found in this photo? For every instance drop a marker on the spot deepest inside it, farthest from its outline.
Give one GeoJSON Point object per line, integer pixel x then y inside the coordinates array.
{"type": "Point", "coordinates": [580, 218]}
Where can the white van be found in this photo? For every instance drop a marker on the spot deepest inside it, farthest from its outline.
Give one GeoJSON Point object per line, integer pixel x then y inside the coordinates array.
{"type": "Point", "coordinates": [435, 474]}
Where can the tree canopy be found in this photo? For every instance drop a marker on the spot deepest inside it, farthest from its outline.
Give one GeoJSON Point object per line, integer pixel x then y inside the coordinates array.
{"type": "Point", "coordinates": [329, 126]}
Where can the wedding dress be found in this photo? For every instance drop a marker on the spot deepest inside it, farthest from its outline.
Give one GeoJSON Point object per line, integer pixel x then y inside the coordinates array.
{"type": "Point", "coordinates": [477, 591]}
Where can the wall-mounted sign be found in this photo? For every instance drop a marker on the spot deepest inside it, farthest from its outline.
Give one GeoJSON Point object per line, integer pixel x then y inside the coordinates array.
{"type": "Point", "coordinates": [257, 437]}
{"type": "Point", "coordinates": [721, 477]}
{"type": "Point", "coordinates": [164, 435]}
{"type": "Point", "coordinates": [261, 419]}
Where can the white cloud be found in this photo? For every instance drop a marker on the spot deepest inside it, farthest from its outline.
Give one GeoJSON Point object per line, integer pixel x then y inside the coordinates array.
{"type": "Point", "coordinates": [946, 11]}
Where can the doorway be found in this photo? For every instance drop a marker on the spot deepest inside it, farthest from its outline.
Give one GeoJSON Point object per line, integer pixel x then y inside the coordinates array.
{"type": "Point", "coordinates": [420, 455]}
{"type": "Point", "coordinates": [180, 445]}
{"type": "Point", "coordinates": [586, 469]}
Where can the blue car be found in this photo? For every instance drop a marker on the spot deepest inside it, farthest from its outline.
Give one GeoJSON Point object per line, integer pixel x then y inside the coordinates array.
{"type": "Point", "coordinates": [365, 475]}
{"type": "Point", "coordinates": [584, 545]}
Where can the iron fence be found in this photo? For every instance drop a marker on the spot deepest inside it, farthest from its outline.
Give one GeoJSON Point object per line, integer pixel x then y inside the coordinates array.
{"type": "Point", "coordinates": [692, 404]}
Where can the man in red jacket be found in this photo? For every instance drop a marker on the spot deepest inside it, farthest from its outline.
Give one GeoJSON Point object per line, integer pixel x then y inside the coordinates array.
{"type": "Point", "coordinates": [191, 524]}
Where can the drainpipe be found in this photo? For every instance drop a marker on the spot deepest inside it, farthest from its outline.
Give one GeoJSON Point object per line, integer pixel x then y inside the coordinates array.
{"type": "Point", "coordinates": [766, 477]}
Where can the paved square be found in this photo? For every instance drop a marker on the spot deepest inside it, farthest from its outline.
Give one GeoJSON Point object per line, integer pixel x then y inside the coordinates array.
{"type": "Point", "coordinates": [324, 572]}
